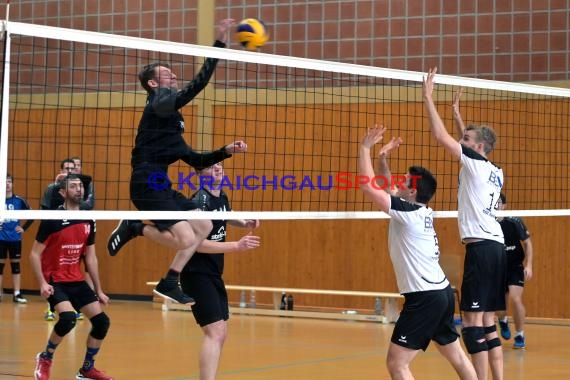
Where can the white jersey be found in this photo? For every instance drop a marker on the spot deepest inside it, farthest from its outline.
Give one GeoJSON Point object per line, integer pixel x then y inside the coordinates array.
{"type": "Point", "coordinates": [414, 248]}
{"type": "Point", "coordinates": [480, 183]}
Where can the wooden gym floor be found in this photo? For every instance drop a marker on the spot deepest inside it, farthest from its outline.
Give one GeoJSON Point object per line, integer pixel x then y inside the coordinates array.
{"type": "Point", "coordinates": [147, 343]}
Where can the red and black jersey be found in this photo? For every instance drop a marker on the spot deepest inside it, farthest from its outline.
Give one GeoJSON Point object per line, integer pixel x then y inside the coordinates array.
{"type": "Point", "coordinates": [65, 241]}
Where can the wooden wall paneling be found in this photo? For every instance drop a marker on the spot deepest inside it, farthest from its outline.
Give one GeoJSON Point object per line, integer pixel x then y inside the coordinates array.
{"type": "Point", "coordinates": [325, 254]}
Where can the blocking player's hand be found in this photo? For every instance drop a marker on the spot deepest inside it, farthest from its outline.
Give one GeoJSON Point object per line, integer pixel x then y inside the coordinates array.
{"type": "Point", "coordinates": [394, 143]}
{"type": "Point", "coordinates": [455, 105]}
{"type": "Point", "coordinates": [428, 85]}
{"type": "Point", "coordinates": [236, 147]}
{"type": "Point", "coordinates": [373, 136]}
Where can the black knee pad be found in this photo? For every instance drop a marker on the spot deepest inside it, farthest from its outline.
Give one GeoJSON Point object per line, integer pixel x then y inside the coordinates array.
{"type": "Point", "coordinates": [474, 339]}
{"type": "Point", "coordinates": [15, 267]}
{"type": "Point", "coordinates": [493, 343]}
{"type": "Point", "coordinates": [100, 325]}
{"type": "Point", "coordinates": [2, 267]}
{"type": "Point", "coordinates": [65, 323]}
{"type": "Point", "coordinates": [490, 329]}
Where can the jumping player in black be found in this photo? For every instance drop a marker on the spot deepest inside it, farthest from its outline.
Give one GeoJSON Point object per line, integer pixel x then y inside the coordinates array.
{"type": "Point", "coordinates": [159, 143]}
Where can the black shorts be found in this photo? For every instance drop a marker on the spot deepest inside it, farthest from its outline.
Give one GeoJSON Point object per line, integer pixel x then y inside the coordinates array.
{"type": "Point", "coordinates": [426, 316]}
{"type": "Point", "coordinates": [150, 190]}
{"type": "Point", "coordinates": [210, 295]}
{"type": "Point", "coordinates": [515, 275]}
{"type": "Point", "coordinates": [484, 277]}
{"type": "Point", "coordinates": [11, 249]}
{"type": "Point", "coordinates": [78, 293]}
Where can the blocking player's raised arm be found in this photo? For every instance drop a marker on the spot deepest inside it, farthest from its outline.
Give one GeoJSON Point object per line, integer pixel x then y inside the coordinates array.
{"type": "Point", "coordinates": [437, 127]}
{"type": "Point", "coordinates": [377, 195]}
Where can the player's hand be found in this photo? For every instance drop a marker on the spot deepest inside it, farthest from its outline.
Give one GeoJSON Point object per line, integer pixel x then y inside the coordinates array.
{"type": "Point", "coordinates": [251, 224]}
{"type": "Point", "coordinates": [103, 298]}
{"type": "Point", "coordinates": [428, 85]}
{"type": "Point", "coordinates": [60, 177]}
{"type": "Point", "coordinates": [236, 147]}
{"type": "Point", "coordinates": [222, 30]}
{"type": "Point", "coordinates": [456, 98]}
{"type": "Point", "coordinates": [249, 241]}
{"type": "Point", "coordinates": [373, 136]}
{"type": "Point", "coordinates": [527, 273]}
{"type": "Point", "coordinates": [394, 143]}
{"type": "Point", "coordinates": [19, 229]}
{"type": "Point", "coordinates": [46, 290]}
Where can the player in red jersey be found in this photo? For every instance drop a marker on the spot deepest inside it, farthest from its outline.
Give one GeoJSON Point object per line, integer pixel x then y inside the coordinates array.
{"type": "Point", "coordinates": [57, 253]}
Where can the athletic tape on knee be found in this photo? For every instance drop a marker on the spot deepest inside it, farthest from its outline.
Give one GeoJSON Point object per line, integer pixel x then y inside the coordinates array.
{"type": "Point", "coordinates": [100, 325]}
{"type": "Point", "coordinates": [15, 267]}
{"type": "Point", "coordinates": [490, 329]}
{"type": "Point", "coordinates": [474, 339]}
{"type": "Point", "coordinates": [493, 343]}
{"type": "Point", "coordinates": [65, 323]}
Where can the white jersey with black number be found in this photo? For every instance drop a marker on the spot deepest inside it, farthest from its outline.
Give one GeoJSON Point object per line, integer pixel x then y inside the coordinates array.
{"type": "Point", "coordinates": [480, 183]}
{"type": "Point", "coordinates": [414, 248]}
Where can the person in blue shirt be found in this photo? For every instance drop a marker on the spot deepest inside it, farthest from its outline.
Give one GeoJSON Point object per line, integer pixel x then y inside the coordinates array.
{"type": "Point", "coordinates": [11, 239]}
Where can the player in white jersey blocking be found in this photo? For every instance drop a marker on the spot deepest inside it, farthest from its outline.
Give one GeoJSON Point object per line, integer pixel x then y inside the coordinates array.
{"type": "Point", "coordinates": [484, 275]}
{"type": "Point", "coordinates": [429, 304]}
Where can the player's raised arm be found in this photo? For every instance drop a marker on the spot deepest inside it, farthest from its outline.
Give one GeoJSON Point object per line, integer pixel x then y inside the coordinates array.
{"type": "Point", "coordinates": [437, 127]}
{"type": "Point", "coordinates": [459, 124]}
{"type": "Point", "coordinates": [384, 168]}
{"type": "Point", "coordinates": [378, 196]}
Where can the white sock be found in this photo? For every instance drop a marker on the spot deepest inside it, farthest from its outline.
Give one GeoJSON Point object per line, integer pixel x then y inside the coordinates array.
{"type": "Point", "coordinates": [505, 320]}
{"type": "Point", "coordinates": [520, 333]}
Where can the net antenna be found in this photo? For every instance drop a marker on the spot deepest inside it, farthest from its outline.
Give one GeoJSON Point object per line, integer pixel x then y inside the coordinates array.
{"type": "Point", "coordinates": [74, 93]}
{"type": "Point", "coordinates": [5, 105]}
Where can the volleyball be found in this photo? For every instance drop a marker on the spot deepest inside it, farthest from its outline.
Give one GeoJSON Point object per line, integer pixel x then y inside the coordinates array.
{"type": "Point", "coordinates": [251, 33]}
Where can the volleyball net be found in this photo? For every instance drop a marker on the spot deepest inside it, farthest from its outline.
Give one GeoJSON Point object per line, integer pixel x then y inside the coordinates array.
{"type": "Point", "coordinates": [73, 93]}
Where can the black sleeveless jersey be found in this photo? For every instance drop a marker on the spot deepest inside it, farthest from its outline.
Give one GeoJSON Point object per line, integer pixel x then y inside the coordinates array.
{"type": "Point", "coordinates": [209, 263]}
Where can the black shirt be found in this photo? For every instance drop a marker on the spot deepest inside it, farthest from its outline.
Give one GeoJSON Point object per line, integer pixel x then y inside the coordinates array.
{"type": "Point", "coordinates": [209, 263]}
{"type": "Point", "coordinates": [515, 231]}
{"type": "Point", "coordinates": [159, 141]}
{"type": "Point", "coordinates": [52, 199]}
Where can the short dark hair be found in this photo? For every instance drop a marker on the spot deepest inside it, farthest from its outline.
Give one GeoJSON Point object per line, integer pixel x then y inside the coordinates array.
{"type": "Point", "coordinates": [425, 183]}
{"type": "Point", "coordinates": [503, 198]}
{"type": "Point", "coordinates": [149, 72]}
{"type": "Point", "coordinates": [62, 183]}
{"type": "Point", "coordinates": [67, 160]}
{"type": "Point", "coordinates": [9, 176]}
